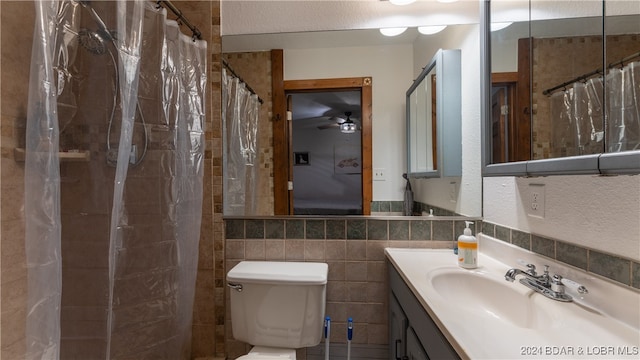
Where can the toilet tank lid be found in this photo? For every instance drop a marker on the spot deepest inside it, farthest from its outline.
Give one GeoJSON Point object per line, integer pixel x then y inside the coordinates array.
{"type": "Point", "coordinates": [276, 272]}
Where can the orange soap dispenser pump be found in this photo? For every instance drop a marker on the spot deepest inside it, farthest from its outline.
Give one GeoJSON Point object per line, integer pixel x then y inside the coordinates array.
{"type": "Point", "coordinates": [468, 249]}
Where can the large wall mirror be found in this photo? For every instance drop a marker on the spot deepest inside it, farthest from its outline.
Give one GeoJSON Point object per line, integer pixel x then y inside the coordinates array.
{"type": "Point", "coordinates": [561, 87]}
{"type": "Point", "coordinates": [434, 119]}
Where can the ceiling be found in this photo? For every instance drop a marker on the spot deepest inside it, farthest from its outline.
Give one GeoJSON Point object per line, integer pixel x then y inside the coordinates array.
{"type": "Point", "coordinates": [275, 16]}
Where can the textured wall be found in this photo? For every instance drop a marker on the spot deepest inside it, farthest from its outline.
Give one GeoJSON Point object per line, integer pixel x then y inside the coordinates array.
{"type": "Point", "coordinates": [16, 23]}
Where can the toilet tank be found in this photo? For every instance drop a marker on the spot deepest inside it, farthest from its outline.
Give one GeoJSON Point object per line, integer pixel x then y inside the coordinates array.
{"type": "Point", "coordinates": [280, 304]}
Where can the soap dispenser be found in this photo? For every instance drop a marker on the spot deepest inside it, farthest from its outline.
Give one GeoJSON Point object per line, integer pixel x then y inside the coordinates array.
{"type": "Point", "coordinates": [467, 249]}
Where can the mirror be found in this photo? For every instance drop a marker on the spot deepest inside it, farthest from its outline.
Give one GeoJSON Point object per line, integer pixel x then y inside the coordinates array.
{"type": "Point", "coordinates": [433, 103]}
{"type": "Point", "coordinates": [393, 64]}
{"type": "Point", "coordinates": [549, 93]}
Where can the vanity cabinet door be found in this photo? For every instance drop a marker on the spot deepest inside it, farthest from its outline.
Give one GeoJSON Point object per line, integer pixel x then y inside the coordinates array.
{"type": "Point", "coordinates": [415, 351]}
{"type": "Point", "coordinates": [397, 330]}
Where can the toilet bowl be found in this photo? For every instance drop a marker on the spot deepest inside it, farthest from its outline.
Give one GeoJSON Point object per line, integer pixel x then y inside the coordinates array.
{"type": "Point", "coordinates": [277, 306]}
{"type": "Point", "coordinates": [267, 353]}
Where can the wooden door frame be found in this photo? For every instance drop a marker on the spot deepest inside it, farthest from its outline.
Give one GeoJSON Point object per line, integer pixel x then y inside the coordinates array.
{"type": "Point", "coordinates": [282, 173]}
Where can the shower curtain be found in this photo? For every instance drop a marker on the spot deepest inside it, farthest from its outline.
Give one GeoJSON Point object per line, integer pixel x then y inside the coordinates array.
{"type": "Point", "coordinates": [112, 251]}
{"type": "Point", "coordinates": [240, 134]}
{"type": "Point", "coordinates": [577, 114]}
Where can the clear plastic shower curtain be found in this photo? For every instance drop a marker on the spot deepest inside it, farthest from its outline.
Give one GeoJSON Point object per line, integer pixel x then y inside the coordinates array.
{"type": "Point", "coordinates": [42, 193]}
{"type": "Point", "coordinates": [151, 274]}
{"type": "Point", "coordinates": [240, 133]}
{"type": "Point", "coordinates": [623, 126]}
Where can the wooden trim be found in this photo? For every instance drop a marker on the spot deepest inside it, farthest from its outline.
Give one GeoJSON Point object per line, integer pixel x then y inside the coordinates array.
{"type": "Point", "coordinates": [280, 135]}
{"type": "Point", "coordinates": [504, 77]}
{"type": "Point", "coordinates": [323, 84]}
{"type": "Point", "coordinates": [364, 84]}
{"type": "Point", "coordinates": [523, 101]}
{"type": "Point", "coordinates": [367, 145]}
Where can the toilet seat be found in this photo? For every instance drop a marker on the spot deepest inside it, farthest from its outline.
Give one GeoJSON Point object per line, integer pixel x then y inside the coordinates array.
{"type": "Point", "coordinates": [267, 353]}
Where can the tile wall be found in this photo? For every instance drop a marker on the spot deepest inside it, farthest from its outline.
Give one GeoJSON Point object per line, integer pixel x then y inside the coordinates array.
{"type": "Point", "coordinates": [354, 249]}
{"type": "Point", "coordinates": [613, 267]}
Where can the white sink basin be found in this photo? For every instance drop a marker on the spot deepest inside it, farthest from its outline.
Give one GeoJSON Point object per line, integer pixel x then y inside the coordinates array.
{"type": "Point", "coordinates": [484, 294]}
{"type": "Point", "coordinates": [484, 316]}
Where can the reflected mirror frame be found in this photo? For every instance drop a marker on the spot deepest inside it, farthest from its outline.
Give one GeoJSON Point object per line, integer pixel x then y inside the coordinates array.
{"type": "Point", "coordinates": [448, 115]}
{"type": "Point", "coordinates": [627, 162]}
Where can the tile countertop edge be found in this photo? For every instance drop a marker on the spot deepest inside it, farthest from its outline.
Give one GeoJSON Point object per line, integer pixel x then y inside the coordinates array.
{"type": "Point", "coordinates": [454, 343]}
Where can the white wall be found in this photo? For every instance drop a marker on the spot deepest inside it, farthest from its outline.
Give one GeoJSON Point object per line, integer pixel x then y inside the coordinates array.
{"type": "Point", "coordinates": [601, 213]}
{"type": "Point", "coordinates": [391, 69]}
{"type": "Point", "coordinates": [467, 190]}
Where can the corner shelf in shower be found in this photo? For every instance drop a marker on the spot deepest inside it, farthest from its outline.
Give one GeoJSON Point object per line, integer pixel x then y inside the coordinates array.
{"type": "Point", "coordinates": [66, 156]}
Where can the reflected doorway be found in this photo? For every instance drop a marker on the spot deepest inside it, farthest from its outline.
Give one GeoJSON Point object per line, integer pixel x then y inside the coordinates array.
{"type": "Point", "coordinates": [327, 152]}
{"type": "Point", "coordinates": [284, 157]}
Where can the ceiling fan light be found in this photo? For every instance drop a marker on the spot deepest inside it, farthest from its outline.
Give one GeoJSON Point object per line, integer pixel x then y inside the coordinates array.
{"type": "Point", "coordinates": [430, 30]}
{"type": "Point", "coordinates": [348, 127]}
{"type": "Point", "coordinates": [401, 2]}
{"type": "Point", "coordinates": [394, 31]}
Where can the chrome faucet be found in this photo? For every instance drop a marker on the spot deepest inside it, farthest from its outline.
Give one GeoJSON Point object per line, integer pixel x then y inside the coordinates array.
{"type": "Point", "coordinates": [550, 286]}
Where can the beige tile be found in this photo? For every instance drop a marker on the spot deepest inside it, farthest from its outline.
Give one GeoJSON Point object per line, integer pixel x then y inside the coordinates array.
{"type": "Point", "coordinates": [356, 271]}
{"type": "Point", "coordinates": [335, 249]}
{"type": "Point", "coordinates": [314, 250]}
{"type": "Point", "coordinates": [377, 291]}
{"type": "Point", "coordinates": [294, 250]}
{"type": "Point", "coordinates": [356, 291]}
{"type": "Point", "coordinates": [274, 250]}
{"type": "Point", "coordinates": [356, 250]}
{"type": "Point", "coordinates": [254, 250]}
{"type": "Point", "coordinates": [235, 249]}
{"type": "Point", "coordinates": [376, 271]}
{"type": "Point", "coordinates": [336, 310]}
{"type": "Point", "coordinates": [378, 334]}
{"type": "Point", "coordinates": [336, 291]}
{"type": "Point", "coordinates": [375, 249]}
{"type": "Point", "coordinates": [336, 270]}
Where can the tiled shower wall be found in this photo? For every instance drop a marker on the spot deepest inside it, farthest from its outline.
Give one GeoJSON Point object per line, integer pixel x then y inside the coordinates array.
{"type": "Point", "coordinates": [16, 21]}
{"type": "Point", "coordinates": [354, 250]}
{"type": "Point", "coordinates": [558, 69]}
{"type": "Point", "coordinates": [255, 69]}
{"type": "Point", "coordinates": [17, 18]}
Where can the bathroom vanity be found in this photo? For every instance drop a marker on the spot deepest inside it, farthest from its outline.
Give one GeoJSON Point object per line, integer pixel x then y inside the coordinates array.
{"type": "Point", "coordinates": [411, 330]}
{"type": "Point", "coordinates": [439, 310]}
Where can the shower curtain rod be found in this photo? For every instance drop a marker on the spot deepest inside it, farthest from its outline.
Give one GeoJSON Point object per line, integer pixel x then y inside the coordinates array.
{"type": "Point", "coordinates": [588, 75]}
{"type": "Point", "coordinates": [226, 64]}
{"type": "Point", "coordinates": [196, 33]}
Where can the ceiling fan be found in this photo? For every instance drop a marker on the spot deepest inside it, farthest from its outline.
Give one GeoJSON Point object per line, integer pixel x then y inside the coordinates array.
{"type": "Point", "coordinates": [346, 125]}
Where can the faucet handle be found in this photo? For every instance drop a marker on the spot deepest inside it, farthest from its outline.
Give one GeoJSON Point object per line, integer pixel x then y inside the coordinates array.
{"type": "Point", "coordinates": [546, 269]}
{"type": "Point", "coordinates": [531, 269]}
{"type": "Point", "coordinates": [579, 288]}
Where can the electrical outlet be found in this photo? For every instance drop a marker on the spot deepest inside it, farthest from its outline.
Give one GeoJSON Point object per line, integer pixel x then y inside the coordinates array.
{"type": "Point", "coordinates": [536, 200]}
{"type": "Point", "coordinates": [379, 175]}
{"type": "Point", "coordinates": [453, 192]}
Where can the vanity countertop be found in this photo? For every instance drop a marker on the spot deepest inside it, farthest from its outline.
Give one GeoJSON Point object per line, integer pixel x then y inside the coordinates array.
{"type": "Point", "coordinates": [485, 317]}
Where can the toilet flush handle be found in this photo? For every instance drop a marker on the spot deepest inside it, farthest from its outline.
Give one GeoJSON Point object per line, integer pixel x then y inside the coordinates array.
{"type": "Point", "coordinates": [237, 287]}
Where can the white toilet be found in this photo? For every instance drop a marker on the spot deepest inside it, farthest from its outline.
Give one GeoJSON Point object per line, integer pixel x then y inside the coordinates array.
{"type": "Point", "coordinates": [277, 306]}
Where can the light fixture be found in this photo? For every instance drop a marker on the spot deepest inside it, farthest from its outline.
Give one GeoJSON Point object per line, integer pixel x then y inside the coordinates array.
{"type": "Point", "coordinates": [348, 126]}
{"type": "Point", "coordinates": [401, 2]}
{"type": "Point", "coordinates": [431, 29]}
{"type": "Point", "coordinates": [394, 31]}
{"type": "Point", "coordinates": [499, 25]}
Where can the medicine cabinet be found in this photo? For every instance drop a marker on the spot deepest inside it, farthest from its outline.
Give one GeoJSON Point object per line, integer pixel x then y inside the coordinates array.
{"type": "Point", "coordinates": [433, 118]}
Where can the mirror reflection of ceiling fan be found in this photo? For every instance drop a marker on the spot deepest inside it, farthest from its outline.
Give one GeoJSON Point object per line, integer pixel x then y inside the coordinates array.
{"type": "Point", "coordinates": [341, 122]}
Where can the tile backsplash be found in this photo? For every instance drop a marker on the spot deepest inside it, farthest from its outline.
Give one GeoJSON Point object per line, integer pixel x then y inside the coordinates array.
{"type": "Point", "coordinates": [613, 267]}
{"type": "Point", "coordinates": [354, 249]}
